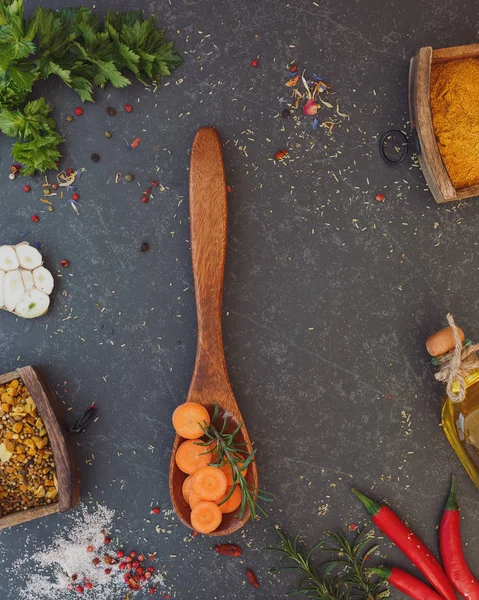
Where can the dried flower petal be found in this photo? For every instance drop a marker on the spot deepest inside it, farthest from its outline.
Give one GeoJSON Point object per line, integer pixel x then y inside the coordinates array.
{"type": "Point", "coordinates": [293, 81]}
{"type": "Point", "coordinates": [311, 107]}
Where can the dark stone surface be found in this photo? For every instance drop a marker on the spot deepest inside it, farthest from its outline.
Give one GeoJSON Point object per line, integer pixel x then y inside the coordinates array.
{"type": "Point", "coordinates": [329, 295]}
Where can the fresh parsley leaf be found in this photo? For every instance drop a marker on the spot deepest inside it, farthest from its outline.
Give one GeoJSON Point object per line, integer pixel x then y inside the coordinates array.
{"type": "Point", "coordinates": [74, 45]}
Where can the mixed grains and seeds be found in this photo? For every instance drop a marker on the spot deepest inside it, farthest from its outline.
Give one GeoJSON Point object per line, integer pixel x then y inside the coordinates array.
{"type": "Point", "coordinates": [27, 470]}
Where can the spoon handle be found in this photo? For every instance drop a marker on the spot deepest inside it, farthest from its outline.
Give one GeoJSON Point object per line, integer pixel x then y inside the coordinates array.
{"type": "Point", "coordinates": [209, 224]}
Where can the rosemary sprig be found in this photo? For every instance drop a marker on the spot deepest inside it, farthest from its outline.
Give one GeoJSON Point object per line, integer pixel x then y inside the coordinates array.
{"type": "Point", "coordinates": [229, 451]}
{"type": "Point", "coordinates": [343, 576]}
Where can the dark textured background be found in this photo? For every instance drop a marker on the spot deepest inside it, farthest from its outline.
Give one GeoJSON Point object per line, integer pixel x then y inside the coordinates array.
{"type": "Point", "coordinates": [329, 295]}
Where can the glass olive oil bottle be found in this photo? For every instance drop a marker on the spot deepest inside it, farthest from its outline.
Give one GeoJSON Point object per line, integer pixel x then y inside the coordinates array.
{"type": "Point", "coordinates": [460, 419]}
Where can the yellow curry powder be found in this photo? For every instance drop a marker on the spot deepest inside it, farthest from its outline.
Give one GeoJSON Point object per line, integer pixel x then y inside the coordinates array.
{"type": "Point", "coordinates": [455, 116]}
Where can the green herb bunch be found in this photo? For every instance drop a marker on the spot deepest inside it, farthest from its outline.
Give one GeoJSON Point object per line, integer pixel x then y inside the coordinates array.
{"type": "Point", "coordinates": [233, 452]}
{"type": "Point", "coordinates": [342, 576]}
{"type": "Point", "coordinates": [75, 46]}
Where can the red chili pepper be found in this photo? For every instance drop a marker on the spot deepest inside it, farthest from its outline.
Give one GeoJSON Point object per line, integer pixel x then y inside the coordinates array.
{"type": "Point", "coordinates": [406, 583]}
{"type": "Point", "coordinates": [251, 576]}
{"type": "Point", "coordinates": [451, 549]}
{"type": "Point", "coordinates": [135, 143]}
{"type": "Point", "coordinates": [409, 543]}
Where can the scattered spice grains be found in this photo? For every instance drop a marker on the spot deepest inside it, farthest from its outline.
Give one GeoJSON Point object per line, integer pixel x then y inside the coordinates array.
{"type": "Point", "coordinates": [67, 564]}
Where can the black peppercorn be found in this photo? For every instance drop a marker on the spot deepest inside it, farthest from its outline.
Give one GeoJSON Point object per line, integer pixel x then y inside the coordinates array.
{"type": "Point", "coordinates": [144, 247]}
{"type": "Point", "coordinates": [111, 111]}
{"type": "Point", "coordinates": [95, 157]}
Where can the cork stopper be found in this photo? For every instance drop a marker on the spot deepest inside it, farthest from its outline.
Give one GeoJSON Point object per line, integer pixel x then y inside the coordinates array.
{"type": "Point", "coordinates": [442, 341]}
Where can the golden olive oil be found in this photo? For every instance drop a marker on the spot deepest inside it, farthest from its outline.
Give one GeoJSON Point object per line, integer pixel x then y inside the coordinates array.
{"type": "Point", "coordinates": [460, 420]}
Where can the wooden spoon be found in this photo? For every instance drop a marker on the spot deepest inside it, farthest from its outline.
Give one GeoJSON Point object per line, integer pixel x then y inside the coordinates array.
{"type": "Point", "coordinates": [210, 383]}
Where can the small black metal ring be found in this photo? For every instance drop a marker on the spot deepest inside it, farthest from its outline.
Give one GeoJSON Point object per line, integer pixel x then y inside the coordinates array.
{"type": "Point", "coordinates": [382, 144]}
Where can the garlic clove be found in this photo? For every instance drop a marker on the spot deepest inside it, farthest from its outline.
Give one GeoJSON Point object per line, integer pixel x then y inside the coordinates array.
{"type": "Point", "coordinates": [32, 304]}
{"type": "Point", "coordinates": [28, 256]}
{"type": "Point", "coordinates": [43, 280]}
{"type": "Point", "coordinates": [8, 258]}
{"type": "Point", "coordinates": [27, 279]}
{"type": "Point", "coordinates": [13, 289]}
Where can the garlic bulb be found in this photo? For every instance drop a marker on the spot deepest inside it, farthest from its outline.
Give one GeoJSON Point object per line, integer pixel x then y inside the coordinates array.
{"type": "Point", "coordinates": [25, 285]}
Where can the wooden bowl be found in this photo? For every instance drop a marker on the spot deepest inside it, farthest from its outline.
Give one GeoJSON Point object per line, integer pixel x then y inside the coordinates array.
{"type": "Point", "coordinates": [420, 114]}
{"type": "Point", "coordinates": [51, 412]}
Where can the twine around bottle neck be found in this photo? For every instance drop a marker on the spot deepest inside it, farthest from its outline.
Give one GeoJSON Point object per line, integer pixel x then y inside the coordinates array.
{"type": "Point", "coordinates": [457, 365]}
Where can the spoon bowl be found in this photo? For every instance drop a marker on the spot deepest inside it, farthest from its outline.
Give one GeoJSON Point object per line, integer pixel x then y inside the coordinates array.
{"type": "Point", "coordinates": [210, 383]}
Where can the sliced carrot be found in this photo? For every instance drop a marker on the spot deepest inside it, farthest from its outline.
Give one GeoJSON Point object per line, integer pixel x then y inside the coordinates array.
{"type": "Point", "coordinates": [187, 418]}
{"type": "Point", "coordinates": [190, 457]}
{"type": "Point", "coordinates": [187, 487]}
{"type": "Point", "coordinates": [195, 499]}
{"type": "Point", "coordinates": [233, 501]}
{"type": "Point", "coordinates": [227, 470]}
{"type": "Point", "coordinates": [210, 483]}
{"type": "Point", "coordinates": [206, 517]}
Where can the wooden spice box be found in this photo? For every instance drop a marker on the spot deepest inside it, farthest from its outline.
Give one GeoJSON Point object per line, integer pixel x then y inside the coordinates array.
{"type": "Point", "coordinates": [50, 411]}
{"type": "Point", "coordinates": [420, 114]}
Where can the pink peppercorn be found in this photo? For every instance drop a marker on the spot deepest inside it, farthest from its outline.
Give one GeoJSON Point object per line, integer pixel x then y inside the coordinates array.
{"type": "Point", "coordinates": [135, 564]}
{"type": "Point", "coordinates": [69, 171]}
{"type": "Point", "coordinates": [141, 558]}
{"type": "Point", "coordinates": [128, 108]}
{"type": "Point", "coordinates": [107, 540]}
{"type": "Point", "coordinates": [76, 197]}
{"type": "Point", "coordinates": [151, 569]}
{"type": "Point", "coordinates": [96, 561]}
{"type": "Point", "coordinates": [89, 549]}
{"type": "Point", "coordinates": [120, 553]}
{"type": "Point", "coordinates": [27, 188]}
{"type": "Point", "coordinates": [380, 197]}
{"type": "Point", "coordinates": [70, 587]}
{"type": "Point", "coordinates": [145, 199]}
{"type": "Point", "coordinates": [80, 589]}
{"type": "Point", "coordinates": [89, 586]}
{"type": "Point", "coordinates": [152, 590]}
{"type": "Point", "coordinates": [122, 566]}
{"type": "Point", "coordinates": [35, 218]}
{"type": "Point", "coordinates": [74, 577]}
{"type": "Point", "coordinates": [140, 570]}
{"type": "Point", "coordinates": [156, 510]}
{"type": "Point", "coordinates": [78, 111]}
{"type": "Point", "coordinates": [128, 559]}
{"type": "Point", "coordinates": [107, 571]}
{"type": "Point", "coordinates": [255, 63]}
{"type": "Point", "coordinates": [147, 575]}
